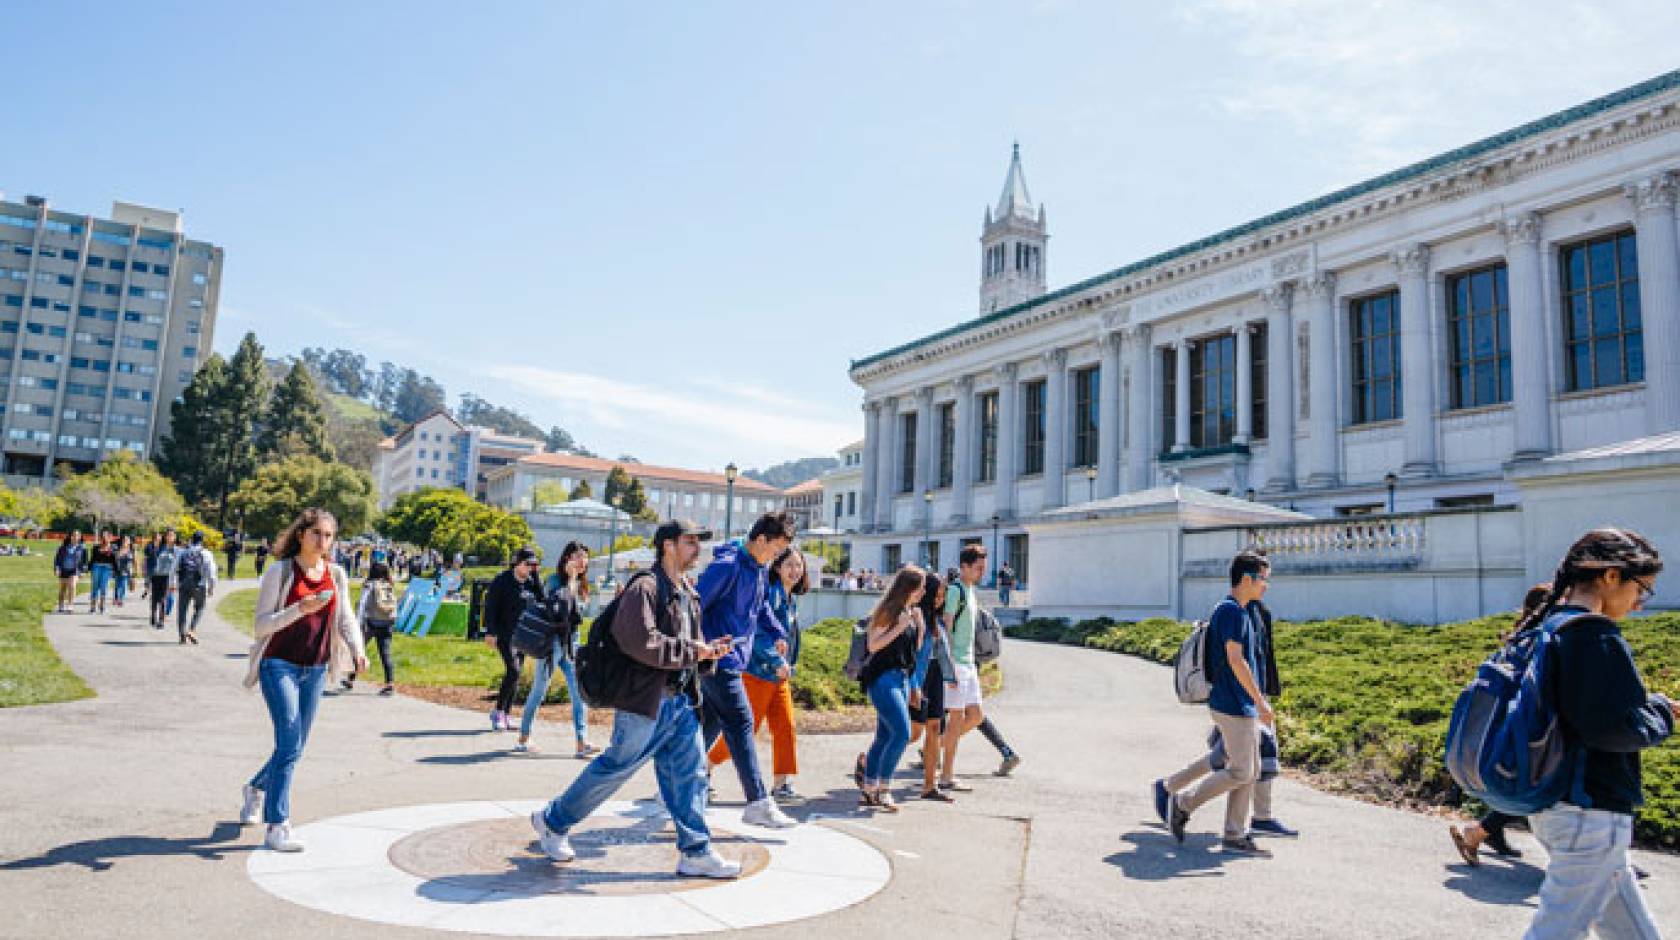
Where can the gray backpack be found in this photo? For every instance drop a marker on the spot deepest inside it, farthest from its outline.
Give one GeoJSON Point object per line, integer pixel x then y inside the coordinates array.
{"type": "Point", "coordinates": [1190, 673]}
{"type": "Point", "coordinates": [988, 637]}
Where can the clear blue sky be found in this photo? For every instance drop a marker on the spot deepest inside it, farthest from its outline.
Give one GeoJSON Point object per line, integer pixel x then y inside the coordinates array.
{"type": "Point", "coordinates": [669, 227]}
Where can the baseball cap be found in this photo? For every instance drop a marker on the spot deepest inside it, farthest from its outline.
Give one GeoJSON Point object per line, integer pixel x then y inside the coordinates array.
{"type": "Point", "coordinates": [676, 528]}
{"type": "Point", "coordinates": [524, 556]}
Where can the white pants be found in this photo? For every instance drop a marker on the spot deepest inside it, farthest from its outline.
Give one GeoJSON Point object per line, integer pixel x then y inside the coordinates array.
{"type": "Point", "coordinates": [1589, 884]}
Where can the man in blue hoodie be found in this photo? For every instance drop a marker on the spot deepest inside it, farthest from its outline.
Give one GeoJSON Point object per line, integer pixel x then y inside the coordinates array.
{"type": "Point", "coordinates": [733, 600]}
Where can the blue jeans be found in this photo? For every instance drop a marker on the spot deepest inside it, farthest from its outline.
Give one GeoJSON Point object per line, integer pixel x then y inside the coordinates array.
{"type": "Point", "coordinates": [292, 693]}
{"type": "Point", "coordinates": [101, 583]}
{"type": "Point", "coordinates": [672, 742]}
{"type": "Point", "coordinates": [539, 690]}
{"type": "Point", "coordinates": [121, 587]}
{"type": "Point", "coordinates": [890, 694]}
{"type": "Point", "coordinates": [729, 713]}
{"type": "Point", "coordinates": [1589, 885]}
{"type": "Point", "coordinates": [1003, 595]}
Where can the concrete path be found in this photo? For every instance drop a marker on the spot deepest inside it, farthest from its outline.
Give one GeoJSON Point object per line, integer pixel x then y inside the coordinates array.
{"type": "Point", "coordinates": [116, 813]}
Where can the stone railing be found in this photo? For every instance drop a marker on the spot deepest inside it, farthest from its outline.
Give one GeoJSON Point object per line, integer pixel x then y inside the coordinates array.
{"type": "Point", "coordinates": [1368, 544]}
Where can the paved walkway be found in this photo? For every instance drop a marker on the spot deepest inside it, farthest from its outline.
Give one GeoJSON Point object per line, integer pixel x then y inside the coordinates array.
{"type": "Point", "coordinates": [116, 813]}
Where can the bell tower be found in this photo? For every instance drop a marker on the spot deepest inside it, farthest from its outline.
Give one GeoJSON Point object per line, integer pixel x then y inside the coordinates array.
{"type": "Point", "coordinates": [1012, 242]}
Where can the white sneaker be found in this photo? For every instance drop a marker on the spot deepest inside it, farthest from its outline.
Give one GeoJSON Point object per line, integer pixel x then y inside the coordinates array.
{"type": "Point", "coordinates": [554, 844]}
{"type": "Point", "coordinates": [710, 865]}
{"type": "Point", "coordinates": [250, 812]}
{"type": "Point", "coordinates": [766, 813]}
{"type": "Point", "coordinates": [280, 838]}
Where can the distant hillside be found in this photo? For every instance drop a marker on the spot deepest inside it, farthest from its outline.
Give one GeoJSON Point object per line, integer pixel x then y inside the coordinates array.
{"type": "Point", "coordinates": [793, 472]}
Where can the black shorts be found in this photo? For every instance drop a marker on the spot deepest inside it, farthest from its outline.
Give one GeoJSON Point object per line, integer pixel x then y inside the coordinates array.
{"type": "Point", "coordinates": [933, 696]}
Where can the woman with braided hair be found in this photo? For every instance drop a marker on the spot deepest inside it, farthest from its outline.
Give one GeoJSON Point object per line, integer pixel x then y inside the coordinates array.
{"type": "Point", "coordinates": [1608, 718]}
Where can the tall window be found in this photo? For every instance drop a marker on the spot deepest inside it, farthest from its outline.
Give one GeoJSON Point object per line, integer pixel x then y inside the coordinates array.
{"type": "Point", "coordinates": [1257, 339]}
{"type": "Point", "coordinates": [839, 504]}
{"type": "Point", "coordinates": [907, 457]}
{"type": "Point", "coordinates": [1604, 342]}
{"type": "Point", "coordinates": [1032, 408]}
{"type": "Point", "coordinates": [1375, 329]}
{"type": "Point", "coordinates": [1169, 399]}
{"type": "Point", "coordinates": [892, 558]}
{"type": "Point", "coordinates": [1479, 324]}
{"type": "Point", "coordinates": [1015, 550]}
{"type": "Point", "coordinates": [1086, 388]}
{"type": "Point", "coordinates": [988, 437]}
{"type": "Point", "coordinates": [947, 443]}
{"type": "Point", "coordinates": [1213, 391]}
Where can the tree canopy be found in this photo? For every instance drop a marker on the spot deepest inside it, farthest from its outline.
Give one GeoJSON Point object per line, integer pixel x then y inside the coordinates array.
{"type": "Point", "coordinates": [278, 491]}
{"type": "Point", "coordinates": [296, 419]}
{"type": "Point", "coordinates": [450, 521]}
{"type": "Point", "coordinates": [123, 493]}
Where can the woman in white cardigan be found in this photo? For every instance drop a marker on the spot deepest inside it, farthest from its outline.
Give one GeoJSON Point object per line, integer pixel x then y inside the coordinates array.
{"type": "Point", "coordinates": [305, 628]}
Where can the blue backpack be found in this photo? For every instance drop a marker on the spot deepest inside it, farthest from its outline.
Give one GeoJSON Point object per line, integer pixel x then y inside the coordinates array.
{"type": "Point", "coordinates": [1506, 745]}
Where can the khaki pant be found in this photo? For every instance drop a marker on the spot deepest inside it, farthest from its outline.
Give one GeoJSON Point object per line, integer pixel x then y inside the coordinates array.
{"type": "Point", "coordinates": [1236, 782]}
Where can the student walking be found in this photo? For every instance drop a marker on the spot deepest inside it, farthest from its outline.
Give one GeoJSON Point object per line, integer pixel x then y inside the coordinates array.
{"type": "Point", "coordinates": [503, 602]}
{"type": "Point", "coordinates": [68, 563]}
{"type": "Point", "coordinates": [102, 566]}
{"type": "Point", "coordinates": [927, 701]}
{"type": "Point", "coordinates": [893, 639]}
{"type": "Point", "coordinates": [1005, 583]}
{"type": "Point", "coordinates": [769, 676]}
{"type": "Point", "coordinates": [964, 711]}
{"type": "Point", "coordinates": [160, 576]}
{"type": "Point", "coordinates": [1238, 707]}
{"type": "Point", "coordinates": [1608, 717]}
{"type": "Point", "coordinates": [304, 630]}
{"type": "Point", "coordinates": [234, 547]}
{"type": "Point", "coordinates": [378, 614]}
{"type": "Point", "coordinates": [567, 592]}
{"type": "Point", "coordinates": [655, 624]}
{"type": "Point", "coordinates": [733, 591]}
{"type": "Point", "coordinates": [261, 556]}
{"type": "Point", "coordinates": [124, 574]}
{"type": "Point", "coordinates": [194, 581]}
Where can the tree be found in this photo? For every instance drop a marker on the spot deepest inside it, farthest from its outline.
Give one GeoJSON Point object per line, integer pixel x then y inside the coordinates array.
{"type": "Point", "coordinates": [40, 508]}
{"type": "Point", "coordinates": [355, 441]}
{"type": "Point", "coordinates": [10, 507]}
{"type": "Point", "coordinates": [239, 404]}
{"type": "Point", "coordinates": [386, 383]}
{"type": "Point", "coordinates": [582, 490]}
{"type": "Point", "coordinates": [559, 441]}
{"type": "Point", "coordinates": [296, 421]}
{"type": "Point", "coordinates": [791, 473]}
{"type": "Point", "coordinates": [192, 450]}
{"type": "Point", "coordinates": [281, 489]}
{"type": "Point", "coordinates": [548, 493]}
{"type": "Point", "coordinates": [347, 373]}
{"type": "Point", "coordinates": [417, 396]}
{"type": "Point", "coordinates": [475, 410]}
{"type": "Point", "coordinates": [125, 493]}
{"type": "Point", "coordinates": [629, 494]}
{"type": "Point", "coordinates": [451, 521]}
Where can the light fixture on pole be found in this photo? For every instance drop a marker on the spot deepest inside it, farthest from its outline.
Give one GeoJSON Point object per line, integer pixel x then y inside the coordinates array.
{"type": "Point", "coordinates": [927, 528]}
{"type": "Point", "coordinates": [729, 474]}
{"type": "Point", "coordinates": [1090, 483]}
{"type": "Point", "coordinates": [612, 537]}
{"type": "Point", "coordinates": [1391, 481]}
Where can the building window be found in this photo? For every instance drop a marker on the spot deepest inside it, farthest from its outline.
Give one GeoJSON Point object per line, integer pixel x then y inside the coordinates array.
{"type": "Point", "coordinates": [1604, 344]}
{"type": "Point", "coordinates": [1479, 326]}
{"type": "Point", "coordinates": [839, 505]}
{"type": "Point", "coordinates": [947, 443]}
{"type": "Point", "coordinates": [1169, 399]}
{"type": "Point", "coordinates": [892, 558]}
{"type": "Point", "coordinates": [1479, 500]}
{"type": "Point", "coordinates": [930, 552]}
{"type": "Point", "coordinates": [988, 437]}
{"type": "Point", "coordinates": [907, 456]}
{"type": "Point", "coordinates": [1033, 396]}
{"type": "Point", "coordinates": [851, 503]}
{"type": "Point", "coordinates": [1375, 332]}
{"type": "Point", "coordinates": [1257, 339]}
{"type": "Point", "coordinates": [1086, 388]}
{"type": "Point", "coordinates": [1015, 553]}
{"type": "Point", "coordinates": [1213, 391]}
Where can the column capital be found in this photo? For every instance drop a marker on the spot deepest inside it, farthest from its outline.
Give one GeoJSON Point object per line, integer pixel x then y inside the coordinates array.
{"type": "Point", "coordinates": [1055, 359]}
{"type": "Point", "coordinates": [1654, 193]}
{"type": "Point", "coordinates": [924, 396]}
{"type": "Point", "coordinates": [890, 403]}
{"type": "Point", "coordinates": [1136, 334]}
{"type": "Point", "coordinates": [1319, 286]}
{"type": "Point", "coordinates": [1411, 260]}
{"type": "Point", "coordinates": [964, 384]}
{"type": "Point", "coordinates": [1521, 229]}
{"type": "Point", "coordinates": [1006, 372]}
{"type": "Point", "coordinates": [1277, 296]}
{"type": "Point", "coordinates": [872, 407]}
{"type": "Point", "coordinates": [1110, 341]}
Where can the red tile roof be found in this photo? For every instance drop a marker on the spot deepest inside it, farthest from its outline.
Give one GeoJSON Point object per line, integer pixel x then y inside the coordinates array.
{"type": "Point", "coordinates": [647, 472]}
{"type": "Point", "coordinates": [806, 488]}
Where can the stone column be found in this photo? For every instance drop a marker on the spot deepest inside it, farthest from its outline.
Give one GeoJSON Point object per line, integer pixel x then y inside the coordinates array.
{"type": "Point", "coordinates": [1181, 398]}
{"type": "Point", "coordinates": [886, 487]}
{"type": "Point", "coordinates": [1108, 418]}
{"type": "Point", "coordinates": [927, 447]}
{"type": "Point", "coordinates": [1323, 456]}
{"type": "Point", "coordinates": [1280, 387]}
{"type": "Point", "coordinates": [1008, 442]}
{"type": "Point", "coordinates": [871, 460]}
{"type": "Point", "coordinates": [1245, 386]}
{"type": "Point", "coordinates": [1055, 429]}
{"type": "Point", "coordinates": [1530, 394]}
{"type": "Point", "coordinates": [962, 457]}
{"type": "Point", "coordinates": [1659, 297]}
{"type": "Point", "coordinates": [1140, 414]}
{"type": "Point", "coordinates": [1417, 364]}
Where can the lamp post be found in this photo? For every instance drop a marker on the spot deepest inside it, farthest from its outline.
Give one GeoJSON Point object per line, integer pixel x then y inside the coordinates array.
{"type": "Point", "coordinates": [927, 528]}
{"type": "Point", "coordinates": [996, 519]}
{"type": "Point", "coordinates": [612, 538]}
{"type": "Point", "coordinates": [1090, 483]}
{"type": "Point", "coordinates": [729, 474]}
{"type": "Point", "coordinates": [1391, 480]}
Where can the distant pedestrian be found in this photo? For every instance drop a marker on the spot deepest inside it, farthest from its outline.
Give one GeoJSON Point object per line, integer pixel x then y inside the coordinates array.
{"type": "Point", "coordinates": [68, 563]}
{"type": "Point", "coordinates": [193, 582]}
{"type": "Point", "coordinates": [566, 594]}
{"type": "Point", "coordinates": [262, 556]}
{"type": "Point", "coordinates": [1005, 584]}
{"type": "Point", "coordinates": [893, 638]}
{"type": "Point", "coordinates": [769, 676]}
{"type": "Point", "coordinates": [503, 601]}
{"type": "Point", "coordinates": [235, 547]}
{"type": "Point", "coordinates": [124, 570]}
{"type": "Point", "coordinates": [1608, 717]}
{"type": "Point", "coordinates": [1238, 706]}
{"type": "Point", "coordinates": [304, 630]}
{"type": "Point", "coordinates": [102, 566]}
{"type": "Point", "coordinates": [378, 614]}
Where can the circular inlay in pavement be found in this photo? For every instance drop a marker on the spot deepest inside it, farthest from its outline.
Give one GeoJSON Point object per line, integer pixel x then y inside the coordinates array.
{"type": "Point", "coordinates": [476, 867]}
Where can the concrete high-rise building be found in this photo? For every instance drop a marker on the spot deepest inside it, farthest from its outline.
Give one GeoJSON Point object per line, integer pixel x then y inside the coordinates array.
{"type": "Point", "coordinates": [102, 324]}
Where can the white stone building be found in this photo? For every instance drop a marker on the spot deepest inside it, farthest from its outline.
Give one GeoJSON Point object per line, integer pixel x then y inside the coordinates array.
{"type": "Point", "coordinates": [438, 450]}
{"type": "Point", "coordinates": [843, 489]}
{"type": "Point", "coordinates": [1526, 287]}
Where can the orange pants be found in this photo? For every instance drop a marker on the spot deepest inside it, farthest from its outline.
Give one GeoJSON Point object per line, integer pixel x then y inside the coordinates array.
{"type": "Point", "coordinates": [772, 701]}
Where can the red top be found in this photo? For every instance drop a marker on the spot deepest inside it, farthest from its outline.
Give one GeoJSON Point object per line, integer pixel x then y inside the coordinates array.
{"type": "Point", "coordinates": [308, 640]}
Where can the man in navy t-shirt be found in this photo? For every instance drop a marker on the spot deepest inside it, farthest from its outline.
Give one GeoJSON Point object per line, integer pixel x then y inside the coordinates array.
{"type": "Point", "coordinates": [1238, 708]}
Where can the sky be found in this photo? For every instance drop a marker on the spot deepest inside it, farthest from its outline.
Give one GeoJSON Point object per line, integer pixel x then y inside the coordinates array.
{"type": "Point", "coordinates": [670, 227]}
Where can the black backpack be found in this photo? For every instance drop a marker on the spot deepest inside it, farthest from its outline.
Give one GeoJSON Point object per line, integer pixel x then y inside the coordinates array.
{"type": "Point", "coordinates": [534, 631]}
{"type": "Point", "coordinates": [602, 668]}
{"type": "Point", "coordinates": [189, 571]}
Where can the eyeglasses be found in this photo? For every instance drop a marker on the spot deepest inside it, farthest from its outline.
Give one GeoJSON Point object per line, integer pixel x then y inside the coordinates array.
{"type": "Point", "coordinates": [1646, 589]}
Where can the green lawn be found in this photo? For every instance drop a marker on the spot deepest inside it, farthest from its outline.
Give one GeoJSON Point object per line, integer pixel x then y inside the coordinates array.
{"type": "Point", "coordinates": [1367, 702]}
{"type": "Point", "coordinates": [30, 671]}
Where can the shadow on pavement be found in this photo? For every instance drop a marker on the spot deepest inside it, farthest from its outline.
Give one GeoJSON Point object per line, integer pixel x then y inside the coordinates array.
{"type": "Point", "coordinates": [102, 854]}
{"type": "Point", "coordinates": [1156, 856]}
{"type": "Point", "coordinates": [160, 643]}
{"type": "Point", "coordinates": [1511, 883]}
{"type": "Point", "coordinates": [440, 733]}
{"type": "Point", "coordinates": [467, 760]}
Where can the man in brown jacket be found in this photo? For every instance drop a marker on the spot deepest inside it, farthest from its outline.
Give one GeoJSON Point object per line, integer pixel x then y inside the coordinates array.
{"type": "Point", "coordinates": [656, 625]}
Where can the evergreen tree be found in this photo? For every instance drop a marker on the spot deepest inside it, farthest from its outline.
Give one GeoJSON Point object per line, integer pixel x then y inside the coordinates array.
{"type": "Point", "coordinates": [296, 421]}
{"type": "Point", "coordinates": [190, 452]}
{"type": "Point", "coordinates": [417, 396]}
{"type": "Point", "coordinates": [583, 490]}
{"type": "Point", "coordinates": [631, 496]}
{"type": "Point", "coordinates": [239, 405]}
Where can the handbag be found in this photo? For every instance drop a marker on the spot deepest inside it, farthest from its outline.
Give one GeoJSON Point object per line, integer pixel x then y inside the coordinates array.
{"type": "Point", "coordinates": [534, 631]}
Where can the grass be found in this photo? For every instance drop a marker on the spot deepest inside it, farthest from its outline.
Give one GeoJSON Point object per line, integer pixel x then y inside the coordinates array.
{"type": "Point", "coordinates": [1365, 702]}
{"type": "Point", "coordinates": [31, 672]}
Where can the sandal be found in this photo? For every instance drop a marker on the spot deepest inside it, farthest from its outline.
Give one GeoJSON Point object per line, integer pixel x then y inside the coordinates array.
{"type": "Point", "coordinates": [857, 772]}
{"type": "Point", "coordinates": [867, 800]}
{"type": "Point", "coordinates": [885, 802]}
{"type": "Point", "coordinates": [1463, 844]}
{"type": "Point", "coordinates": [938, 796]}
{"type": "Point", "coordinates": [955, 786]}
